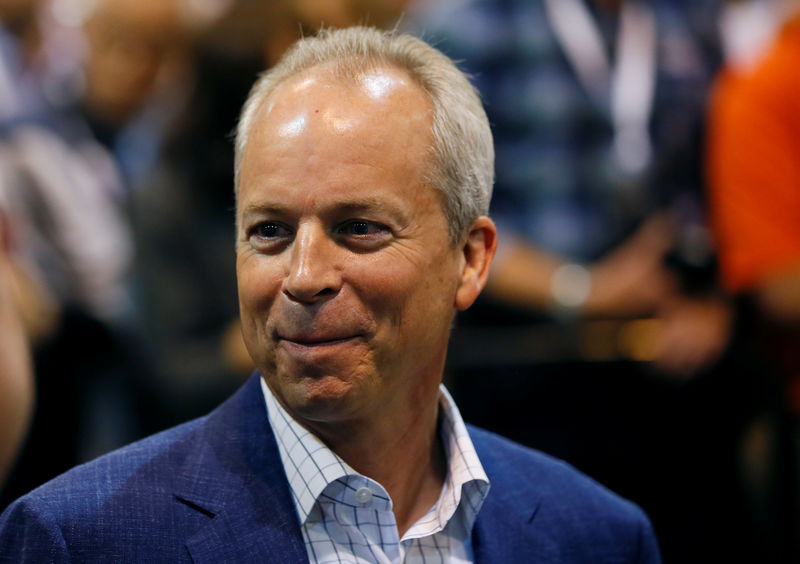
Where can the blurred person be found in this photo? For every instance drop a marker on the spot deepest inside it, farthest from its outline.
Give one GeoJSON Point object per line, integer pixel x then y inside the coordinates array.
{"type": "Point", "coordinates": [611, 327]}
{"type": "Point", "coordinates": [596, 106]}
{"type": "Point", "coordinates": [754, 107]}
{"type": "Point", "coordinates": [129, 43]}
{"type": "Point", "coordinates": [137, 76]}
{"type": "Point", "coordinates": [67, 167]}
{"type": "Point", "coordinates": [72, 236]}
{"type": "Point", "coordinates": [66, 174]}
{"type": "Point", "coordinates": [754, 166]}
{"type": "Point", "coordinates": [363, 175]}
{"type": "Point", "coordinates": [38, 60]}
{"type": "Point", "coordinates": [16, 374]}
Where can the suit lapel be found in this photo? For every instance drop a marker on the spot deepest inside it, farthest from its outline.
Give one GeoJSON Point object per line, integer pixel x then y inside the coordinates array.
{"type": "Point", "coordinates": [503, 535]}
{"type": "Point", "coordinates": [234, 475]}
{"type": "Point", "coordinates": [506, 523]}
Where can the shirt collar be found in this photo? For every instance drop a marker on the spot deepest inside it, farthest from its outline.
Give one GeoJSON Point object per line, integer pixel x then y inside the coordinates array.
{"type": "Point", "coordinates": [311, 466]}
{"type": "Point", "coordinates": [466, 485]}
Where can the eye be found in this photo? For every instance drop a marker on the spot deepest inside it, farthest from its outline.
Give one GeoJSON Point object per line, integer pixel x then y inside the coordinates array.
{"type": "Point", "coordinates": [360, 232]}
{"type": "Point", "coordinates": [361, 228]}
{"type": "Point", "coordinates": [269, 234]}
{"type": "Point", "coordinates": [269, 230]}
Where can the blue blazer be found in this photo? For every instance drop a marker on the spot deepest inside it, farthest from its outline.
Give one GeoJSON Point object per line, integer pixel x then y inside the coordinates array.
{"type": "Point", "coordinates": [214, 490]}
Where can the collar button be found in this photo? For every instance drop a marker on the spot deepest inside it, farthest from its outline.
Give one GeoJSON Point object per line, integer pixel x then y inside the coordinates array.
{"type": "Point", "coordinates": [363, 495]}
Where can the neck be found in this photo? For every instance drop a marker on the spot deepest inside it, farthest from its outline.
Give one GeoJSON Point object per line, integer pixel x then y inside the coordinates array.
{"type": "Point", "coordinates": [404, 454]}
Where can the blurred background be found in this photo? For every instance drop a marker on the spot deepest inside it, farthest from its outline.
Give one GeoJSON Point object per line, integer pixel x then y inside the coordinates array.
{"type": "Point", "coordinates": [642, 320]}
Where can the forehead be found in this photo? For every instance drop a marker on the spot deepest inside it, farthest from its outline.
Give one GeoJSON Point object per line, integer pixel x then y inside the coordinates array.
{"type": "Point", "coordinates": [370, 89]}
{"type": "Point", "coordinates": [379, 119]}
{"type": "Point", "coordinates": [325, 141]}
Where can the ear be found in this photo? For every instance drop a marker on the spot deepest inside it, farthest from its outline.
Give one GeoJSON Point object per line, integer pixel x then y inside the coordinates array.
{"type": "Point", "coordinates": [477, 254]}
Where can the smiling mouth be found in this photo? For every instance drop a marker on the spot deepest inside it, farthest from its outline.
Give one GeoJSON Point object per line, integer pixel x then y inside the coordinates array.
{"type": "Point", "coordinates": [313, 343]}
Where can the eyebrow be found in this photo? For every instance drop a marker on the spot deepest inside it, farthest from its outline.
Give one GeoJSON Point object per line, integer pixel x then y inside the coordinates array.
{"type": "Point", "coordinates": [353, 206]}
{"type": "Point", "coordinates": [366, 204]}
{"type": "Point", "coordinates": [260, 209]}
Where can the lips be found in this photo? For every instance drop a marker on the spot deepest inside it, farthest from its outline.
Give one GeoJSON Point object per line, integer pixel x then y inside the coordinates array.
{"type": "Point", "coordinates": [317, 336]}
{"type": "Point", "coordinates": [317, 340]}
{"type": "Point", "coordinates": [319, 350]}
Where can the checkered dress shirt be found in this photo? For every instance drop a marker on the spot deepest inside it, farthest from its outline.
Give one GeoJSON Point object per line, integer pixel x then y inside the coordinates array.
{"type": "Point", "coordinates": [347, 517]}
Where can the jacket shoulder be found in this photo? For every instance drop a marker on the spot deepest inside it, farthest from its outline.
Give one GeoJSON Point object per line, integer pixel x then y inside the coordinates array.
{"type": "Point", "coordinates": [566, 515]}
{"type": "Point", "coordinates": [95, 499]}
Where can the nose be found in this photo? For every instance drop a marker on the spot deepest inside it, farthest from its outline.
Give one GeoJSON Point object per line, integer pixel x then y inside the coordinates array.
{"type": "Point", "coordinates": [314, 274]}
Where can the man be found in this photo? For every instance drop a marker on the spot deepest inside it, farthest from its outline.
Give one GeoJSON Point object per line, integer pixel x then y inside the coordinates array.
{"type": "Point", "coordinates": [363, 176]}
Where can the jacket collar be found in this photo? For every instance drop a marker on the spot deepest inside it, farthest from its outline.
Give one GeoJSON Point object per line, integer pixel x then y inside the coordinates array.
{"type": "Point", "coordinates": [233, 474]}
{"type": "Point", "coordinates": [504, 527]}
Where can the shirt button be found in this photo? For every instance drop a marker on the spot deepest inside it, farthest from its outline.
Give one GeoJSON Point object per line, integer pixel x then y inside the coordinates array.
{"type": "Point", "coordinates": [363, 495]}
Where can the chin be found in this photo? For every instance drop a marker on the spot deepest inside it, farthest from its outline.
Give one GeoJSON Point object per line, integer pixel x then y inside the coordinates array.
{"type": "Point", "coordinates": [320, 398]}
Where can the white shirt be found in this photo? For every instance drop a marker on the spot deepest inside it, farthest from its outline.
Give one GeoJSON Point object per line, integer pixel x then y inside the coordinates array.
{"type": "Point", "coordinates": [347, 517]}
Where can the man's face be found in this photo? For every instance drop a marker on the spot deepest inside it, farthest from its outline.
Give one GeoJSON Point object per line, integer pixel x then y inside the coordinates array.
{"type": "Point", "coordinates": [347, 280]}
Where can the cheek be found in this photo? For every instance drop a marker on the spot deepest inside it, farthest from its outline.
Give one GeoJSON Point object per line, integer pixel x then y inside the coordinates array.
{"type": "Point", "coordinates": [258, 286]}
{"type": "Point", "coordinates": [387, 283]}
{"type": "Point", "coordinates": [409, 293]}
{"type": "Point", "coordinates": [259, 282]}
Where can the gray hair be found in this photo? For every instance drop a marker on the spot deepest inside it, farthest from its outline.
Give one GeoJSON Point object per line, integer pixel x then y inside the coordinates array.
{"type": "Point", "coordinates": [463, 169]}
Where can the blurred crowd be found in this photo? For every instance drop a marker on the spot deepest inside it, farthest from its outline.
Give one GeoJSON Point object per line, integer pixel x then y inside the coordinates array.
{"type": "Point", "coordinates": [642, 320]}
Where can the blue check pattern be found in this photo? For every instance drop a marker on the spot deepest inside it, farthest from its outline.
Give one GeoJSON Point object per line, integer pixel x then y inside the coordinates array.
{"type": "Point", "coordinates": [347, 517]}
